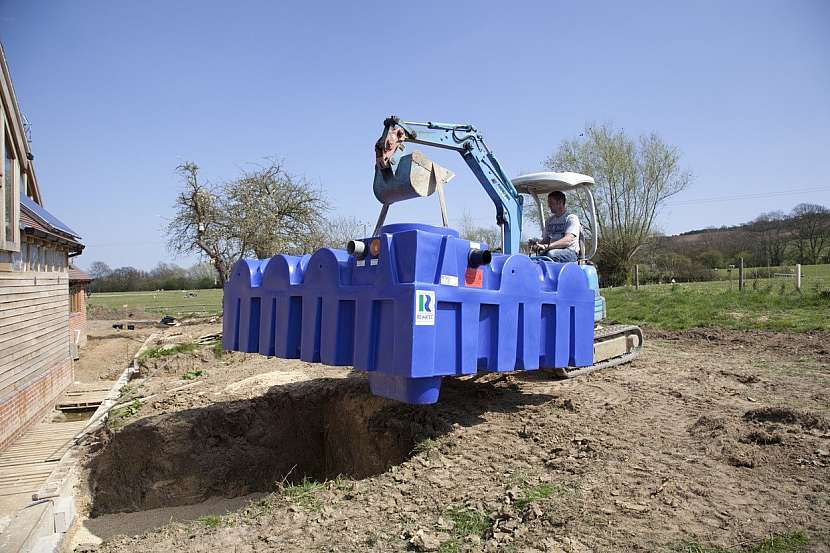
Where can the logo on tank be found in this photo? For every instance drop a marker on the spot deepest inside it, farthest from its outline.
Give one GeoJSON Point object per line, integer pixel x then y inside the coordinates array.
{"type": "Point", "coordinates": [424, 307]}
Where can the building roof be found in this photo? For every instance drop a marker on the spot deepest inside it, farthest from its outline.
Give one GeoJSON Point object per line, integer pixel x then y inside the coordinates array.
{"type": "Point", "coordinates": [77, 275]}
{"type": "Point", "coordinates": [36, 221]}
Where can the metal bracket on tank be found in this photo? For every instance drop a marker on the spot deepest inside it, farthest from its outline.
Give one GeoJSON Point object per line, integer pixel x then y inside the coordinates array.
{"type": "Point", "coordinates": [412, 176]}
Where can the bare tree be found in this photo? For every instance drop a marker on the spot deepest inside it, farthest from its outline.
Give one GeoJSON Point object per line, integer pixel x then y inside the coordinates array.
{"type": "Point", "coordinates": [263, 212]}
{"type": "Point", "coordinates": [469, 230]}
{"type": "Point", "coordinates": [200, 224]}
{"type": "Point", "coordinates": [772, 237]}
{"type": "Point", "coordinates": [99, 269]}
{"type": "Point", "coordinates": [810, 224]}
{"type": "Point", "coordinates": [273, 211]}
{"type": "Point", "coordinates": [633, 178]}
{"type": "Point", "coordinates": [337, 231]}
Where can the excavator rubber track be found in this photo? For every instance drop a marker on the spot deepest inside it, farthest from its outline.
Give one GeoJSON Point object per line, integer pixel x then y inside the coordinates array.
{"type": "Point", "coordinates": [613, 345]}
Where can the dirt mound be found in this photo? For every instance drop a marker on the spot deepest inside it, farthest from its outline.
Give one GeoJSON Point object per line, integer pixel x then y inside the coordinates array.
{"type": "Point", "coordinates": [318, 429]}
{"type": "Point", "coordinates": [785, 415]}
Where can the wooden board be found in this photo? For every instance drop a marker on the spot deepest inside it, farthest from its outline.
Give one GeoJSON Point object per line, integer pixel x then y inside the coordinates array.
{"type": "Point", "coordinates": [84, 396]}
{"type": "Point", "coordinates": [28, 462]}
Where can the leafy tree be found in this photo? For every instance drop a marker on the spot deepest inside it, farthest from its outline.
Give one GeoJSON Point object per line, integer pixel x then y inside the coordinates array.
{"type": "Point", "coordinates": [633, 178]}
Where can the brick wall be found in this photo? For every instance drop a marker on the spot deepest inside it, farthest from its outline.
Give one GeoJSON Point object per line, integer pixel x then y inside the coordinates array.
{"type": "Point", "coordinates": [77, 319]}
{"type": "Point", "coordinates": [25, 407]}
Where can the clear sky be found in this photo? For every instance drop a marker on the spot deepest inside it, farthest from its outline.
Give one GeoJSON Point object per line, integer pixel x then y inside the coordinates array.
{"type": "Point", "coordinates": [119, 93]}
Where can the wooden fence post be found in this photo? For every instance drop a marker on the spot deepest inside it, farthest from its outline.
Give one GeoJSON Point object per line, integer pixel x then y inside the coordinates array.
{"type": "Point", "coordinates": [798, 276]}
{"type": "Point", "coordinates": [741, 275]}
{"type": "Point", "coordinates": [636, 277]}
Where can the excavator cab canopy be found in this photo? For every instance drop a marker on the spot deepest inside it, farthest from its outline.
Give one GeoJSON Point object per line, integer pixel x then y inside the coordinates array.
{"type": "Point", "coordinates": [542, 184]}
{"type": "Point", "coordinates": [549, 181]}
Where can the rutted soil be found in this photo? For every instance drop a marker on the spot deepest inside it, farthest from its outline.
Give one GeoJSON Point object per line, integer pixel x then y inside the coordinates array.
{"type": "Point", "coordinates": [721, 438]}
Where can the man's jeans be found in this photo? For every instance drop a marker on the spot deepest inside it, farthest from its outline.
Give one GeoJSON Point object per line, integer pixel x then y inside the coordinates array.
{"type": "Point", "coordinates": [561, 256]}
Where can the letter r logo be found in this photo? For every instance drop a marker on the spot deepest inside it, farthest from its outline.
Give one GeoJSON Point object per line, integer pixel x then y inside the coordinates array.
{"type": "Point", "coordinates": [424, 307]}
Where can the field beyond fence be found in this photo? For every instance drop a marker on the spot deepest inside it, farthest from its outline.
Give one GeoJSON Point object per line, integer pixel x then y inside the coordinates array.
{"type": "Point", "coordinates": [176, 303]}
{"type": "Point", "coordinates": [766, 303]}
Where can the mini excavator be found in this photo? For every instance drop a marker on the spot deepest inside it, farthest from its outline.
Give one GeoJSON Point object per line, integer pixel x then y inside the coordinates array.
{"type": "Point", "coordinates": [613, 344]}
{"type": "Point", "coordinates": [413, 303]}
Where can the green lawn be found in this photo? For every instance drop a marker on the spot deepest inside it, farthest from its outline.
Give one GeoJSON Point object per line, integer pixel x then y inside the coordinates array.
{"type": "Point", "coordinates": [771, 304]}
{"type": "Point", "coordinates": [168, 302]}
{"type": "Point", "coordinates": [767, 304]}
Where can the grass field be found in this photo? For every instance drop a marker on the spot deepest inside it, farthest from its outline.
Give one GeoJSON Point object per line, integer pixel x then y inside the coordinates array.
{"type": "Point", "coordinates": [168, 302]}
{"type": "Point", "coordinates": [770, 305]}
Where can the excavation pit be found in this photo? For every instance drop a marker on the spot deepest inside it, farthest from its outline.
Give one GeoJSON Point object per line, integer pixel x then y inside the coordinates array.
{"type": "Point", "coordinates": [318, 429]}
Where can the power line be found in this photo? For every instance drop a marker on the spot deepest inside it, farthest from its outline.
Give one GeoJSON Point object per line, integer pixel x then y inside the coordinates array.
{"type": "Point", "coordinates": [755, 195]}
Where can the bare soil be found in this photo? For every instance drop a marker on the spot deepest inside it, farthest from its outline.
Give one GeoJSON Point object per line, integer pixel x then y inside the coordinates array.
{"type": "Point", "coordinates": [108, 351]}
{"type": "Point", "coordinates": [720, 437]}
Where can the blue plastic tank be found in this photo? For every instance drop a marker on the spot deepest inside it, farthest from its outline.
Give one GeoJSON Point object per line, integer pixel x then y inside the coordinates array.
{"type": "Point", "coordinates": [413, 310]}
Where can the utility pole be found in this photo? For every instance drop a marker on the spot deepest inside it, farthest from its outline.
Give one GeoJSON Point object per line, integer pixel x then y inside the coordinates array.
{"type": "Point", "coordinates": [636, 276]}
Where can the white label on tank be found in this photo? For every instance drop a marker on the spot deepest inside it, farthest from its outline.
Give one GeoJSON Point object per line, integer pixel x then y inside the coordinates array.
{"type": "Point", "coordinates": [424, 308]}
{"type": "Point", "coordinates": [449, 280]}
{"type": "Point", "coordinates": [360, 262]}
{"type": "Point", "coordinates": [475, 245]}
{"type": "Point", "coordinates": [373, 262]}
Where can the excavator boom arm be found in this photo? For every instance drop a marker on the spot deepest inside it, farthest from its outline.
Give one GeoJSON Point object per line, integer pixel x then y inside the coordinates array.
{"type": "Point", "coordinates": [468, 142]}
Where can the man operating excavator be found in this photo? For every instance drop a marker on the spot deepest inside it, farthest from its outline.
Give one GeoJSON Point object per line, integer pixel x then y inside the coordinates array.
{"type": "Point", "coordinates": [561, 239]}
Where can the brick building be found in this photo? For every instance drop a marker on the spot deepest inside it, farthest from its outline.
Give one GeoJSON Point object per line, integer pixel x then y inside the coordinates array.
{"type": "Point", "coordinates": [35, 248]}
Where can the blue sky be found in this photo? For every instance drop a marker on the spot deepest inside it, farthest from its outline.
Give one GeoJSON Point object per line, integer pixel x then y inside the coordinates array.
{"type": "Point", "coordinates": [119, 93]}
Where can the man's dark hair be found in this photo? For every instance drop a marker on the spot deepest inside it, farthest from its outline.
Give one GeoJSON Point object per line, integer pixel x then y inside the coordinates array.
{"type": "Point", "coordinates": [558, 195]}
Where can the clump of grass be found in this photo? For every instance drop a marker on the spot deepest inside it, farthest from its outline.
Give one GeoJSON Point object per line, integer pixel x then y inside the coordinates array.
{"type": "Point", "coordinates": [211, 521]}
{"type": "Point", "coordinates": [218, 350]}
{"type": "Point", "coordinates": [193, 375]}
{"type": "Point", "coordinates": [466, 522]}
{"type": "Point", "coordinates": [792, 542]}
{"type": "Point", "coordinates": [165, 351]}
{"type": "Point", "coordinates": [424, 445]}
{"type": "Point", "coordinates": [303, 494]}
{"type": "Point", "coordinates": [532, 494]}
{"type": "Point", "coordinates": [118, 417]}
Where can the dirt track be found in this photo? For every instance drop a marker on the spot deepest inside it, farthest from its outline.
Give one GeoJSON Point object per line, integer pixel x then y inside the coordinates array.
{"type": "Point", "coordinates": [720, 437]}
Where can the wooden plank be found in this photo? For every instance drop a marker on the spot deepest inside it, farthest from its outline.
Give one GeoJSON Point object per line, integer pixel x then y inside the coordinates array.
{"type": "Point", "coordinates": [33, 315]}
{"type": "Point", "coordinates": [39, 287]}
{"type": "Point", "coordinates": [33, 306]}
{"type": "Point", "coordinates": [16, 298]}
{"type": "Point", "coordinates": [39, 360]}
{"type": "Point", "coordinates": [24, 374]}
{"type": "Point", "coordinates": [33, 281]}
{"type": "Point", "coordinates": [32, 327]}
{"type": "Point", "coordinates": [62, 274]}
{"type": "Point", "coordinates": [31, 323]}
{"type": "Point", "coordinates": [15, 342]}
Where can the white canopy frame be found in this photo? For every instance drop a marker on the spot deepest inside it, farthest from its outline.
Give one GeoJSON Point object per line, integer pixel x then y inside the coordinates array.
{"type": "Point", "coordinates": [542, 184]}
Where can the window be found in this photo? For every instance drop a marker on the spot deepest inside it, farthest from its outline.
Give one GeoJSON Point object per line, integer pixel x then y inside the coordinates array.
{"type": "Point", "coordinates": [9, 204]}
